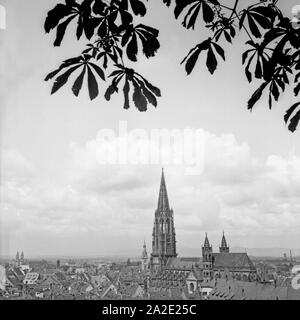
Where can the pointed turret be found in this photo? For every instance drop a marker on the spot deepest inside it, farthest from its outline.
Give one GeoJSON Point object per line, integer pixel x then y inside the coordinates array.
{"type": "Point", "coordinates": [144, 254]}
{"type": "Point", "coordinates": [17, 259]}
{"type": "Point", "coordinates": [207, 259]}
{"type": "Point", "coordinates": [206, 242]}
{"type": "Point", "coordinates": [22, 258]}
{"type": "Point", "coordinates": [163, 201]}
{"type": "Point", "coordinates": [224, 248]}
{"type": "Point", "coordinates": [144, 262]}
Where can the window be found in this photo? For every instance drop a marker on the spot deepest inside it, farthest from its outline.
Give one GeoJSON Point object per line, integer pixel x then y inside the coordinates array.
{"type": "Point", "coordinates": [192, 287]}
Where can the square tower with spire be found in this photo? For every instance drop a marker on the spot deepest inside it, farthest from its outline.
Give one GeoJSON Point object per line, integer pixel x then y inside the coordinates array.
{"type": "Point", "coordinates": [163, 236]}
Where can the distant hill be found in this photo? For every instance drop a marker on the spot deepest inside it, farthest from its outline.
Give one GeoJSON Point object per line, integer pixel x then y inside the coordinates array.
{"type": "Point", "coordinates": [268, 252]}
{"type": "Point", "coordinates": [182, 252]}
{"type": "Point", "coordinates": [255, 252]}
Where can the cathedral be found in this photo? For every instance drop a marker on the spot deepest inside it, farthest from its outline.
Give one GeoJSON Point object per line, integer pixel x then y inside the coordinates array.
{"type": "Point", "coordinates": [207, 265]}
{"type": "Point", "coordinates": [20, 260]}
{"type": "Point", "coordinates": [163, 235]}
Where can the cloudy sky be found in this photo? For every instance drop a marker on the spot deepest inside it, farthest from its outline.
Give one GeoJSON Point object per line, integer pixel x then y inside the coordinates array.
{"type": "Point", "coordinates": [56, 198]}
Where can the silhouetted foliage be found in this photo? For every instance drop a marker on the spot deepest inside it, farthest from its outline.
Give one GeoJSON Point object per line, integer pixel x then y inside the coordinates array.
{"type": "Point", "coordinates": [272, 52]}
{"type": "Point", "coordinates": [143, 91]}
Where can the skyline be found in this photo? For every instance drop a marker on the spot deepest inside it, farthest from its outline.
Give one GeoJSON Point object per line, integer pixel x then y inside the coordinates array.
{"type": "Point", "coordinates": [264, 252]}
{"type": "Point", "coordinates": [56, 197]}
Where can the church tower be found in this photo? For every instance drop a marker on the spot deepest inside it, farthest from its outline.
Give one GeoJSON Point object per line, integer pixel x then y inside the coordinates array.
{"type": "Point", "coordinates": [163, 236]}
{"type": "Point", "coordinates": [144, 262]}
{"type": "Point", "coordinates": [17, 259]}
{"type": "Point", "coordinates": [224, 248]}
{"type": "Point", "coordinates": [22, 258]}
{"type": "Point", "coordinates": [207, 258]}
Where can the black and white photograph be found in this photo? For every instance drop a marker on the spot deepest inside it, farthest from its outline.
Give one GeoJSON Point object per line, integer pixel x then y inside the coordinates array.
{"type": "Point", "coordinates": [149, 151]}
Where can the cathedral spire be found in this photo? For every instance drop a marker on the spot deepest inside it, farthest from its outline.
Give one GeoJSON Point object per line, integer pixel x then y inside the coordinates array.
{"type": "Point", "coordinates": [206, 242]}
{"type": "Point", "coordinates": [163, 201]}
{"type": "Point", "coordinates": [224, 248]}
{"type": "Point", "coordinates": [163, 235]}
{"type": "Point", "coordinates": [224, 243]}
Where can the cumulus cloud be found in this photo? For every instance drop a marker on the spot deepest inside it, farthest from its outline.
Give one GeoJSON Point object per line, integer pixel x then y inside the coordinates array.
{"type": "Point", "coordinates": [249, 198]}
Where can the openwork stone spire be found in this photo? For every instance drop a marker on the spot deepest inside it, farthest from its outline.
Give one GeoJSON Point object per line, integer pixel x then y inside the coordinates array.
{"type": "Point", "coordinates": [163, 201]}
{"type": "Point", "coordinates": [206, 242]}
{"type": "Point", "coordinates": [163, 236]}
{"type": "Point", "coordinates": [224, 248]}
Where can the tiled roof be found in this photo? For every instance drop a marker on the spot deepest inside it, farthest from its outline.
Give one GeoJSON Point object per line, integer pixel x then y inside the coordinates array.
{"type": "Point", "coordinates": [165, 294]}
{"type": "Point", "coordinates": [31, 276]}
{"type": "Point", "coordinates": [128, 291]}
{"type": "Point", "coordinates": [232, 260]}
{"type": "Point", "coordinates": [242, 290]}
{"type": "Point", "coordinates": [18, 272]}
{"type": "Point", "coordinates": [60, 276]}
{"type": "Point", "coordinates": [14, 281]}
{"type": "Point", "coordinates": [183, 263]}
{"type": "Point", "coordinates": [197, 273]}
